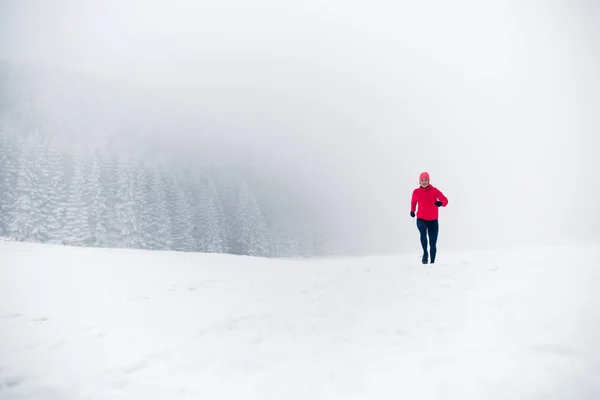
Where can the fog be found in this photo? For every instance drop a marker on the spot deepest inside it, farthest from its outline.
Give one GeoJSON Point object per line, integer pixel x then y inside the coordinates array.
{"type": "Point", "coordinates": [498, 100]}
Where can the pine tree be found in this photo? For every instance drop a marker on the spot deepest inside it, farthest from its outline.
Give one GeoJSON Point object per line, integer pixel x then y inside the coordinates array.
{"type": "Point", "coordinates": [9, 155]}
{"type": "Point", "coordinates": [24, 225]}
{"type": "Point", "coordinates": [213, 182]}
{"type": "Point", "coordinates": [77, 229]}
{"type": "Point", "coordinates": [160, 228]}
{"type": "Point", "coordinates": [21, 221]}
{"type": "Point", "coordinates": [96, 194]}
{"type": "Point", "coordinates": [227, 184]}
{"type": "Point", "coordinates": [251, 224]}
{"type": "Point", "coordinates": [208, 226]}
{"type": "Point", "coordinates": [42, 191]}
{"type": "Point", "coordinates": [57, 195]}
{"type": "Point", "coordinates": [181, 220]}
{"type": "Point", "coordinates": [109, 183]}
{"type": "Point", "coordinates": [142, 207]}
{"type": "Point", "coordinates": [4, 163]}
{"type": "Point", "coordinates": [126, 219]}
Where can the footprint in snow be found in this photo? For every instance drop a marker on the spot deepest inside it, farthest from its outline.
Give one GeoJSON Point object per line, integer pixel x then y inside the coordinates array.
{"type": "Point", "coordinates": [11, 382]}
{"type": "Point", "coordinates": [10, 316]}
{"type": "Point", "coordinates": [135, 367]}
{"type": "Point", "coordinates": [142, 364]}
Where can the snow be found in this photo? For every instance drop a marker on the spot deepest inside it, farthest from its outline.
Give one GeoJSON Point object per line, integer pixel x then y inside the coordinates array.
{"type": "Point", "coordinates": [89, 323]}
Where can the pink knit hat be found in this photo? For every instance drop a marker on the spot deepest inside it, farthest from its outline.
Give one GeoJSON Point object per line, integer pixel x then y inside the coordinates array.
{"type": "Point", "coordinates": [424, 175]}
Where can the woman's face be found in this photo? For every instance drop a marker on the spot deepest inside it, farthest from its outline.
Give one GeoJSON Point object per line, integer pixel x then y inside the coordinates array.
{"type": "Point", "coordinates": [424, 182]}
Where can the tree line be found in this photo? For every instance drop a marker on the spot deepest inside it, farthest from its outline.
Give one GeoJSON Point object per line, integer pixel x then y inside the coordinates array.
{"type": "Point", "coordinates": [102, 197]}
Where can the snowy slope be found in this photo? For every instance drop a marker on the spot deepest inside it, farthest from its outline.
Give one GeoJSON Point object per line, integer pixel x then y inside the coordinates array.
{"type": "Point", "coordinates": [115, 324]}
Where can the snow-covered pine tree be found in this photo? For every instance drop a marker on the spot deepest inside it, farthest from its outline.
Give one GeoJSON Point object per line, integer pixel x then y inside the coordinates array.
{"type": "Point", "coordinates": [9, 156]}
{"type": "Point", "coordinates": [109, 182]}
{"type": "Point", "coordinates": [182, 226]}
{"type": "Point", "coordinates": [126, 218]}
{"type": "Point", "coordinates": [213, 182]}
{"type": "Point", "coordinates": [208, 227]}
{"type": "Point", "coordinates": [227, 186]}
{"type": "Point", "coordinates": [251, 224]}
{"type": "Point", "coordinates": [143, 211]}
{"type": "Point", "coordinates": [56, 207]}
{"type": "Point", "coordinates": [96, 194]}
{"type": "Point", "coordinates": [42, 192]}
{"type": "Point", "coordinates": [77, 230]}
{"type": "Point", "coordinates": [26, 213]}
{"type": "Point", "coordinates": [160, 228]}
{"type": "Point", "coordinates": [190, 188]}
{"type": "Point", "coordinates": [21, 222]}
{"type": "Point", "coordinates": [4, 144]}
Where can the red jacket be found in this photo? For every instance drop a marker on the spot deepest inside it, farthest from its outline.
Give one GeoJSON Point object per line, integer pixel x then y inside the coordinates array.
{"type": "Point", "coordinates": [426, 198]}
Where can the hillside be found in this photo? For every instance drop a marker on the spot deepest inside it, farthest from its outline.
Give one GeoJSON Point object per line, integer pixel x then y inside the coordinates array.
{"type": "Point", "coordinates": [79, 323]}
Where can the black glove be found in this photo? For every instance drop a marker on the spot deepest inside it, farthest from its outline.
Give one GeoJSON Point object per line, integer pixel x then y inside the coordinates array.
{"type": "Point", "coordinates": [412, 214]}
{"type": "Point", "coordinates": [438, 203]}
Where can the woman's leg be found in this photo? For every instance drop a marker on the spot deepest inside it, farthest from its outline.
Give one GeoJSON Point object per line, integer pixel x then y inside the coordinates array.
{"type": "Point", "coordinates": [422, 225]}
{"type": "Point", "coordinates": [433, 228]}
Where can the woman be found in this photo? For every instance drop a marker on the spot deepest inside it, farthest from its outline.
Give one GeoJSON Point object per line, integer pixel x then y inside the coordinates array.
{"type": "Point", "coordinates": [429, 199]}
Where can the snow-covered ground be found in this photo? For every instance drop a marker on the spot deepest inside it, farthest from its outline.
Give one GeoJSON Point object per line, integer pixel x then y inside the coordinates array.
{"type": "Point", "coordinates": [115, 324]}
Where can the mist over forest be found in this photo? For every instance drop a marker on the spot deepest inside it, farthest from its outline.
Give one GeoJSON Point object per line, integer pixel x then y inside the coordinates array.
{"type": "Point", "coordinates": [297, 129]}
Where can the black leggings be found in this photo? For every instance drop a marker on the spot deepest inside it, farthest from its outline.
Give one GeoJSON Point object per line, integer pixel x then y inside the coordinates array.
{"type": "Point", "coordinates": [431, 227]}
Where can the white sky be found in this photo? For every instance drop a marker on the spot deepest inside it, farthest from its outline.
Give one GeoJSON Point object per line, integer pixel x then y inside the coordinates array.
{"type": "Point", "coordinates": [498, 100]}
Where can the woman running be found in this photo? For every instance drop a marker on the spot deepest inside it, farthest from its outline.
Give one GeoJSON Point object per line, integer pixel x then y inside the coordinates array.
{"type": "Point", "coordinates": [428, 198]}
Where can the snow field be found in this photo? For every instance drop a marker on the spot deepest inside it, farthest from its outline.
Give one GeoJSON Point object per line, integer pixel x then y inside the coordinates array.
{"type": "Point", "coordinates": [80, 323]}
